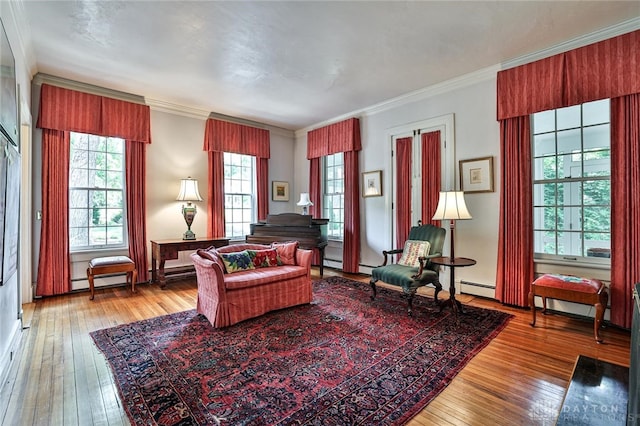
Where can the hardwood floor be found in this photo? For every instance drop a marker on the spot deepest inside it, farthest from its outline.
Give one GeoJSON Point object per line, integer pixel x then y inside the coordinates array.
{"type": "Point", "coordinates": [62, 379]}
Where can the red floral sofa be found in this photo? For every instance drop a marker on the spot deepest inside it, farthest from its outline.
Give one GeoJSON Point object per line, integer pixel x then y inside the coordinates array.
{"type": "Point", "coordinates": [231, 290]}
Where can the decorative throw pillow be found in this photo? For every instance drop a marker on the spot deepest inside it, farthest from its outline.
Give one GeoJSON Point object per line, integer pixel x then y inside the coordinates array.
{"type": "Point", "coordinates": [414, 249]}
{"type": "Point", "coordinates": [264, 258]}
{"type": "Point", "coordinates": [237, 261]}
{"type": "Point", "coordinates": [286, 252]}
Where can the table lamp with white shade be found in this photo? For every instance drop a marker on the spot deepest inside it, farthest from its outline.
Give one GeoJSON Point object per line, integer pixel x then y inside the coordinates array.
{"type": "Point", "coordinates": [189, 192]}
{"type": "Point", "coordinates": [451, 206]}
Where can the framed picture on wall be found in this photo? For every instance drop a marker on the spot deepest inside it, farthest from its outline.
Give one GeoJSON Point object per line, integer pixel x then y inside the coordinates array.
{"type": "Point", "coordinates": [476, 175]}
{"type": "Point", "coordinates": [279, 191]}
{"type": "Point", "coordinates": [372, 184]}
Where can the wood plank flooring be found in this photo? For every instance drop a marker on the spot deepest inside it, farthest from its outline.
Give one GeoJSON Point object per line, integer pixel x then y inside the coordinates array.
{"type": "Point", "coordinates": [60, 378]}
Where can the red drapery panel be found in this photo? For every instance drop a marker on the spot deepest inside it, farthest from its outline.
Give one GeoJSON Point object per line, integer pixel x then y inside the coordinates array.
{"type": "Point", "coordinates": [430, 176]}
{"type": "Point", "coordinates": [53, 267]}
{"type": "Point", "coordinates": [351, 249]}
{"type": "Point", "coordinates": [63, 111]}
{"type": "Point", "coordinates": [126, 120]}
{"type": "Point", "coordinates": [56, 103]}
{"type": "Point", "coordinates": [73, 111]}
{"type": "Point", "coordinates": [338, 137]}
{"type": "Point", "coordinates": [225, 136]}
{"type": "Point", "coordinates": [608, 69]}
{"type": "Point", "coordinates": [515, 242]}
{"type": "Point", "coordinates": [315, 196]}
{"type": "Point", "coordinates": [625, 206]}
{"type": "Point", "coordinates": [215, 195]}
{"type": "Point", "coordinates": [533, 87]}
{"type": "Point", "coordinates": [135, 172]}
{"type": "Point", "coordinates": [403, 189]}
{"type": "Point", "coordinates": [262, 172]}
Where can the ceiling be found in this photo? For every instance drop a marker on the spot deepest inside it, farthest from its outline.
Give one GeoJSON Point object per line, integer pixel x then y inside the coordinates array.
{"type": "Point", "coordinates": [293, 64]}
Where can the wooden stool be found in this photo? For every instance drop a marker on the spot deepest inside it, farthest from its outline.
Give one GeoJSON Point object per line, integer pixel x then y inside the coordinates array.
{"type": "Point", "coordinates": [572, 289]}
{"type": "Point", "coordinates": [112, 265]}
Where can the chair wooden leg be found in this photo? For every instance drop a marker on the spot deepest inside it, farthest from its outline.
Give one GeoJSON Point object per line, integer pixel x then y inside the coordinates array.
{"type": "Point", "coordinates": [374, 293]}
{"type": "Point", "coordinates": [532, 303]}
{"type": "Point", "coordinates": [90, 278]}
{"type": "Point", "coordinates": [410, 304]}
{"type": "Point", "coordinates": [438, 287]}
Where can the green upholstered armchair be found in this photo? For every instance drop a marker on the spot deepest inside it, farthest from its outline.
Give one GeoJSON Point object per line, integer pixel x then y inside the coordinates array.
{"type": "Point", "coordinates": [408, 277]}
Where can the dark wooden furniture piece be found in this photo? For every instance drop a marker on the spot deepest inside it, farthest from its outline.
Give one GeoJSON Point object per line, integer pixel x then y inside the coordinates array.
{"type": "Point", "coordinates": [162, 250]}
{"type": "Point", "coordinates": [453, 263]}
{"type": "Point", "coordinates": [572, 289]}
{"type": "Point", "coordinates": [112, 265]}
{"type": "Point", "coordinates": [597, 394]}
{"type": "Point", "coordinates": [311, 233]}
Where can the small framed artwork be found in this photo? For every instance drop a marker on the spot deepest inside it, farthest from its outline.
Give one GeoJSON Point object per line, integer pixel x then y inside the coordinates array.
{"type": "Point", "coordinates": [476, 175]}
{"type": "Point", "coordinates": [372, 184]}
{"type": "Point", "coordinates": [279, 191]}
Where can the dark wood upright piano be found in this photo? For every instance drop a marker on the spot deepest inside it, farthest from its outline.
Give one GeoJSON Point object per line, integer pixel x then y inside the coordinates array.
{"type": "Point", "coordinates": [311, 233]}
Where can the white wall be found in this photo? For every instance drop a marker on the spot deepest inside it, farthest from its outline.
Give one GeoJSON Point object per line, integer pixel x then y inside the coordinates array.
{"type": "Point", "coordinates": [476, 135]}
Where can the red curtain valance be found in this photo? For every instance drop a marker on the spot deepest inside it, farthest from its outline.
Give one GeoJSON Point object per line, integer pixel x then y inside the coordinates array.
{"type": "Point", "coordinates": [72, 111]}
{"type": "Point", "coordinates": [606, 69]}
{"type": "Point", "coordinates": [343, 136]}
{"type": "Point", "coordinates": [225, 136]}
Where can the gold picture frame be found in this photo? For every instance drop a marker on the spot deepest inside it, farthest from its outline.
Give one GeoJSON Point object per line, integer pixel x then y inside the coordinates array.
{"type": "Point", "coordinates": [372, 184]}
{"type": "Point", "coordinates": [476, 175]}
{"type": "Point", "coordinates": [279, 191]}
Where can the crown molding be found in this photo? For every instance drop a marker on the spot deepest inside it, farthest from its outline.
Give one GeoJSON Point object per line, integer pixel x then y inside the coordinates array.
{"type": "Point", "coordinates": [171, 108]}
{"type": "Point", "coordinates": [575, 43]}
{"type": "Point", "coordinates": [42, 78]}
{"type": "Point", "coordinates": [411, 97]}
{"type": "Point", "coordinates": [23, 33]}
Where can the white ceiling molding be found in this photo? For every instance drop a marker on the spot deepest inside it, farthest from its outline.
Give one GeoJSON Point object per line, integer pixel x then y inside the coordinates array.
{"type": "Point", "coordinates": [18, 16]}
{"type": "Point", "coordinates": [585, 40]}
{"type": "Point", "coordinates": [418, 95]}
{"type": "Point", "coordinates": [176, 109]}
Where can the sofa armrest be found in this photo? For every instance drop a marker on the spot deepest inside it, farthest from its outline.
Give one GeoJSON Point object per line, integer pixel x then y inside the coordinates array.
{"type": "Point", "coordinates": [210, 278]}
{"type": "Point", "coordinates": [303, 258]}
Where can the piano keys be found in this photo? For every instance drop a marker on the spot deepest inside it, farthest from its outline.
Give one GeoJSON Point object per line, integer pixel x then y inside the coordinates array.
{"type": "Point", "coordinates": [311, 233]}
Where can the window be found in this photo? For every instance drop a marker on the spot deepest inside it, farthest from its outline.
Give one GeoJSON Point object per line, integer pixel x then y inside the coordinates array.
{"type": "Point", "coordinates": [97, 211]}
{"type": "Point", "coordinates": [239, 204]}
{"type": "Point", "coordinates": [333, 202]}
{"type": "Point", "coordinates": [571, 183]}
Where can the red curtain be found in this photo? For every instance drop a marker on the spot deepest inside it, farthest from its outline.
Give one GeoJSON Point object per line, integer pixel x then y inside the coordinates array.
{"type": "Point", "coordinates": [608, 69]}
{"type": "Point", "coordinates": [403, 189]}
{"type": "Point", "coordinates": [341, 137]}
{"type": "Point", "coordinates": [225, 136]}
{"type": "Point", "coordinates": [53, 268]}
{"type": "Point", "coordinates": [215, 195]}
{"type": "Point", "coordinates": [351, 249]}
{"type": "Point", "coordinates": [431, 176]}
{"type": "Point", "coordinates": [515, 242]}
{"type": "Point", "coordinates": [64, 111]}
{"type": "Point", "coordinates": [136, 170]}
{"type": "Point", "coordinates": [315, 187]}
{"type": "Point", "coordinates": [625, 205]}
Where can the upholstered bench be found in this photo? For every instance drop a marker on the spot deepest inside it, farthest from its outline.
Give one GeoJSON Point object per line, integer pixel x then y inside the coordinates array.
{"type": "Point", "coordinates": [112, 265]}
{"type": "Point", "coordinates": [572, 289]}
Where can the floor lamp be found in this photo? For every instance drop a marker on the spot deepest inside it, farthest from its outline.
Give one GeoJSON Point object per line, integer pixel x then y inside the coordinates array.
{"type": "Point", "coordinates": [451, 206]}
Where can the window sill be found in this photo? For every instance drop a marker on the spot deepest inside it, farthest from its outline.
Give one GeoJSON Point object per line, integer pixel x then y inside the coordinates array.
{"type": "Point", "coordinates": [573, 264]}
{"type": "Point", "coordinates": [86, 255]}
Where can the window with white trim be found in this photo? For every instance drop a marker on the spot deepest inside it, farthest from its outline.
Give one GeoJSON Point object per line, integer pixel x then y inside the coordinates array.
{"type": "Point", "coordinates": [239, 197]}
{"type": "Point", "coordinates": [97, 198]}
{"type": "Point", "coordinates": [333, 192]}
{"type": "Point", "coordinates": [572, 183]}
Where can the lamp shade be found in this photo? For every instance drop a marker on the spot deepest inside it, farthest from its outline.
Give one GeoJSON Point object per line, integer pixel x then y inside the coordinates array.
{"type": "Point", "coordinates": [451, 206]}
{"type": "Point", "coordinates": [189, 190]}
{"type": "Point", "coordinates": [304, 200]}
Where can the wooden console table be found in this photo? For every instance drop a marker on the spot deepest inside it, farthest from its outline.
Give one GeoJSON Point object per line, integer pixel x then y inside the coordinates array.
{"type": "Point", "coordinates": [162, 250]}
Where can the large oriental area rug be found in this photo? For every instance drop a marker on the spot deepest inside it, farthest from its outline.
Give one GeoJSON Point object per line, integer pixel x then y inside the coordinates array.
{"type": "Point", "coordinates": [342, 360]}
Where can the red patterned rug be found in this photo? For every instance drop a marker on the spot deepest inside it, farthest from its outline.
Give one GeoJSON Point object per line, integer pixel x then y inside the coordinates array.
{"type": "Point", "coordinates": [341, 360]}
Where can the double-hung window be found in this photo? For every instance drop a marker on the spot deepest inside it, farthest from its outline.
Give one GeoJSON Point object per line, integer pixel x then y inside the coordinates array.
{"type": "Point", "coordinates": [572, 183]}
{"type": "Point", "coordinates": [239, 194]}
{"type": "Point", "coordinates": [97, 201]}
{"type": "Point", "coordinates": [333, 192]}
